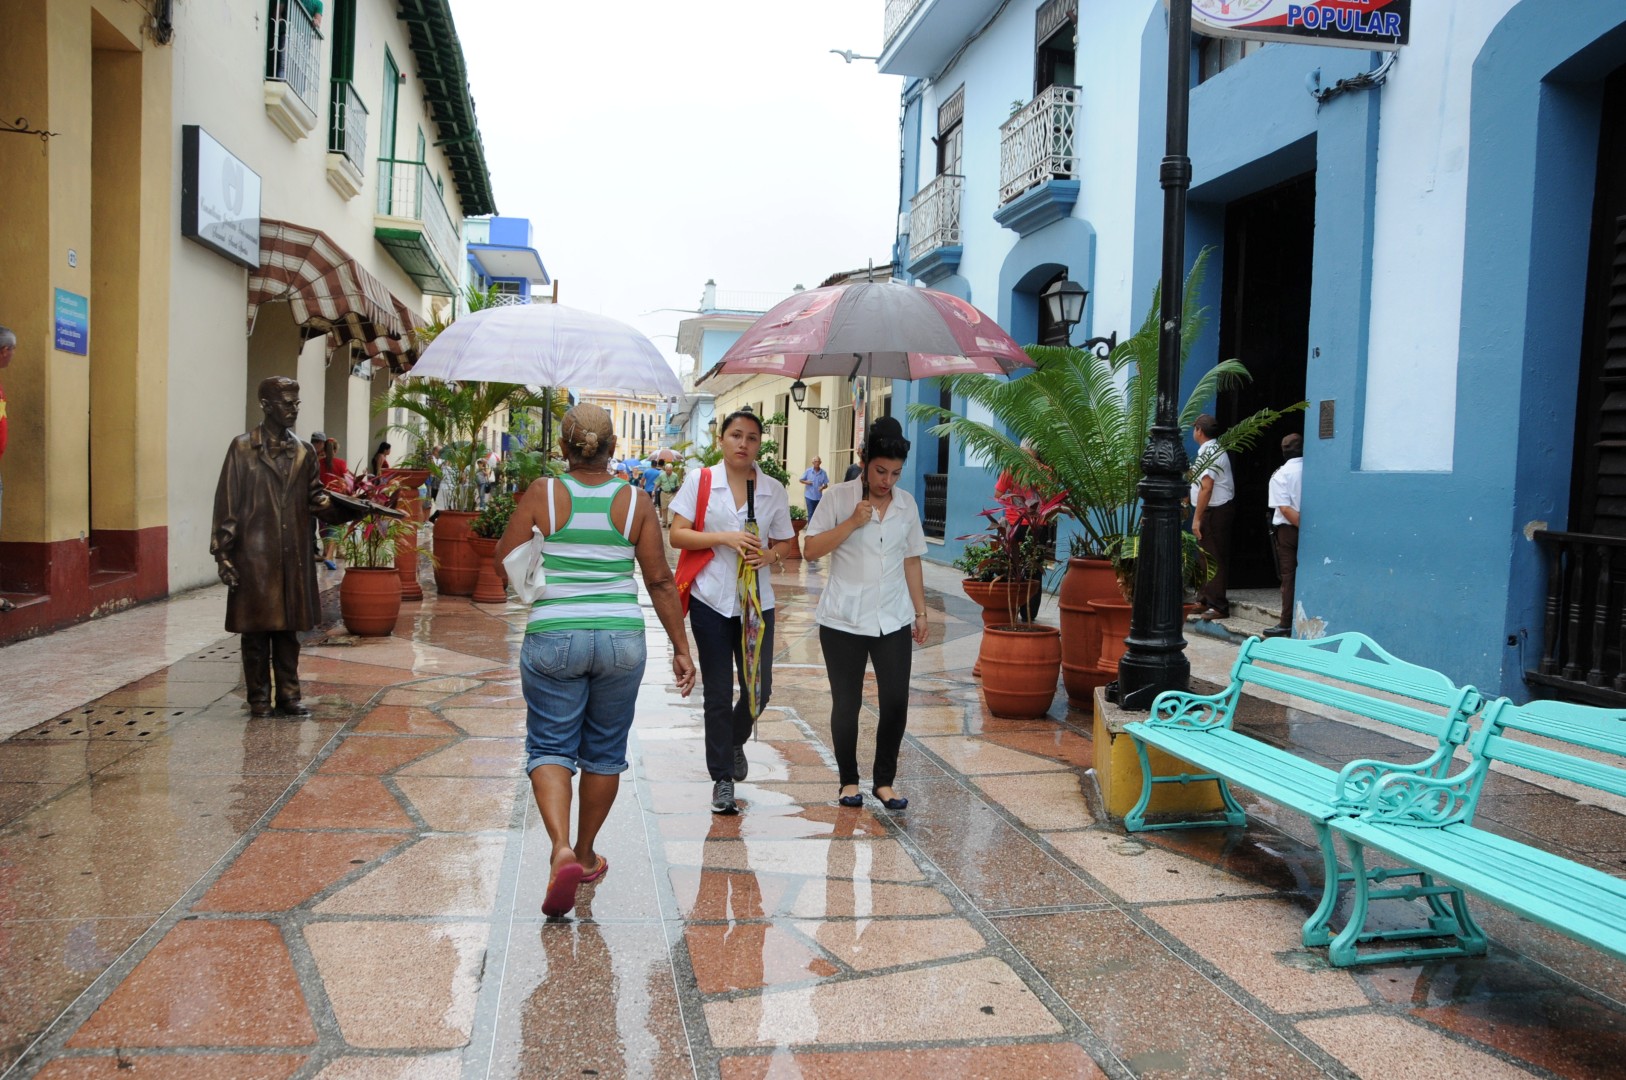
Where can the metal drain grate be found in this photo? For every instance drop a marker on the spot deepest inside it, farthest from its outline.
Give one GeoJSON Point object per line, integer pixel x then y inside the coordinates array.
{"type": "Point", "coordinates": [108, 722]}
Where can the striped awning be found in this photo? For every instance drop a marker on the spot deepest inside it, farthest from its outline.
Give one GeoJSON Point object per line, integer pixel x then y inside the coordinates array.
{"type": "Point", "coordinates": [402, 352]}
{"type": "Point", "coordinates": [327, 291]}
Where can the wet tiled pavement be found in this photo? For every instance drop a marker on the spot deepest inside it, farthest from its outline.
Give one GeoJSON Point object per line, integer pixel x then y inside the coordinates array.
{"type": "Point", "coordinates": [189, 893]}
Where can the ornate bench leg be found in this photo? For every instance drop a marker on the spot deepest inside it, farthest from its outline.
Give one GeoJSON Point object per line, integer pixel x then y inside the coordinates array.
{"type": "Point", "coordinates": [1135, 819]}
{"type": "Point", "coordinates": [1442, 923]}
{"type": "Point", "coordinates": [1316, 931]}
{"type": "Point", "coordinates": [1342, 950]}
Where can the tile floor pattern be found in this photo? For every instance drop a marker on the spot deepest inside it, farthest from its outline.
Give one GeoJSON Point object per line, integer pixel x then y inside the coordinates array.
{"type": "Point", "coordinates": [189, 893]}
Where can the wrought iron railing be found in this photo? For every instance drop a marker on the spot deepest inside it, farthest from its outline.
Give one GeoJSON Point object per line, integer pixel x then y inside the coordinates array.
{"type": "Point", "coordinates": [934, 515]}
{"type": "Point", "coordinates": [290, 50]}
{"type": "Point", "coordinates": [1584, 632]}
{"type": "Point", "coordinates": [934, 216]}
{"type": "Point", "coordinates": [509, 300]}
{"type": "Point", "coordinates": [897, 13]}
{"type": "Point", "coordinates": [347, 129]}
{"type": "Point", "coordinates": [1037, 143]}
{"type": "Point", "coordinates": [406, 189]}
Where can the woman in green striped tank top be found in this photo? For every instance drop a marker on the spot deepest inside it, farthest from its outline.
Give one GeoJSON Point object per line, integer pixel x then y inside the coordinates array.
{"type": "Point", "coordinates": [583, 657]}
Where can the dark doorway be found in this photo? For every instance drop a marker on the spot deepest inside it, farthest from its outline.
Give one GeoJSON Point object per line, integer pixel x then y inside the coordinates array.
{"type": "Point", "coordinates": [1598, 479]}
{"type": "Point", "coordinates": [1265, 323]}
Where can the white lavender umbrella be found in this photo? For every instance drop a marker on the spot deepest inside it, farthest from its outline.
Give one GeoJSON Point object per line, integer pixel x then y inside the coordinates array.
{"type": "Point", "coordinates": [548, 345]}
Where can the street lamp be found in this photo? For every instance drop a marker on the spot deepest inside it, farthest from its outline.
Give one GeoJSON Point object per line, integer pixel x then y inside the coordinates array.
{"type": "Point", "coordinates": [1064, 303]}
{"type": "Point", "coordinates": [1155, 658]}
{"type": "Point", "coordinates": [711, 427]}
{"type": "Point", "coordinates": [798, 394]}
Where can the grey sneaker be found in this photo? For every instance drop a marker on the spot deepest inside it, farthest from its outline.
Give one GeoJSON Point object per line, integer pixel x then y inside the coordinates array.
{"type": "Point", "coordinates": [742, 767]}
{"type": "Point", "coordinates": [722, 798]}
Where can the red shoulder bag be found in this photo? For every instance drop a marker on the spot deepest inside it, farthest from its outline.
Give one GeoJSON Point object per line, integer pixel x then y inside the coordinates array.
{"type": "Point", "coordinates": [690, 563]}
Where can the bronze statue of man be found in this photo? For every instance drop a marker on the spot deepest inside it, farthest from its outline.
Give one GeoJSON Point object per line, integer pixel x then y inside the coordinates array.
{"type": "Point", "coordinates": [263, 545]}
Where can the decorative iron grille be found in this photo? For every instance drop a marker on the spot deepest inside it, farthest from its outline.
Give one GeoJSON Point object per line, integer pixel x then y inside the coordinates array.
{"type": "Point", "coordinates": [934, 216]}
{"type": "Point", "coordinates": [934, 515]}
{"type": "Point", "coordinates": [290, 52]}
{"type": "Point", "coordinates": [897, 13]}
{"type": "Point", "coordinates": [407, 190]}
{"type": "Point", "coordinates": [1583, 649]}
{"type": "Point", "coordinates": [347, 132]}
{"type": "Point", "coordinates": [1037, 143]}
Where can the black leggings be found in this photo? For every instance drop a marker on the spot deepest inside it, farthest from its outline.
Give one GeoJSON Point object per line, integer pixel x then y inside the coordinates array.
{"type": "Point", "coordinates": [845, 656]}
{"type": "Point", "coordinates": [722, 656]}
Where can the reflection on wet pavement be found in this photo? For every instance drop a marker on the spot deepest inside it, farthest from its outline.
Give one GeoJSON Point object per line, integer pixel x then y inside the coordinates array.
{"type": "Point", "coordinates": [188, 893]}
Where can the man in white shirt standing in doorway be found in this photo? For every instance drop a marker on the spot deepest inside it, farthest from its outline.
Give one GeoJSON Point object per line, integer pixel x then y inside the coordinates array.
{"type": "Point", "coordinates": [1213, 503]}
{"type": "Point", "coordinates": [1286, 493]}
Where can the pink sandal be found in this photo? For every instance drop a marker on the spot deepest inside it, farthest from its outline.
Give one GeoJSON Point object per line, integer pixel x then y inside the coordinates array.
{"type": "Point", "coordinates": [561, 895]}
{"type": "Point", "coordinates": [603, 868]}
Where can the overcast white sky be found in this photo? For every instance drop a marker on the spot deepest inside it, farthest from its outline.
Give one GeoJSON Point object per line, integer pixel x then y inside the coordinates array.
{"type": "Point", "coordinates": [655, 145]}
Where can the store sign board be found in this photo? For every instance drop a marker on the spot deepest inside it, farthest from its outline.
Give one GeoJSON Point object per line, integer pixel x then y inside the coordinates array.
{"type": "Point", "coordinates": [1352, 24]}
{"type": "Point", "coordinates": [72, 323]}
{"type": "Point", "coordinates": [220, 198]}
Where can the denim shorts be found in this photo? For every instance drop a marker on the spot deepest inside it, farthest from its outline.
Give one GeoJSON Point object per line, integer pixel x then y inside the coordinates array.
{"type": "Point", "coordinates": [581, 688]}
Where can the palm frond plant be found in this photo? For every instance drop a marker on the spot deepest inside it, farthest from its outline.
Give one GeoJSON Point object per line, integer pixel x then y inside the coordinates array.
{"type": "Point", "coordinates": [1088, 420]}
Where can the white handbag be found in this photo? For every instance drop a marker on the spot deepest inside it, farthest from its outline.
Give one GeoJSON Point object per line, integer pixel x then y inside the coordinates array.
{"type": "Point", "coordinates": [523, 565]}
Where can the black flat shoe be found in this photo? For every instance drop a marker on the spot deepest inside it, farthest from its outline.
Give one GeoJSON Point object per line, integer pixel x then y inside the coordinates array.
{"type": "Point", "coordinates": [890, 804]}
{"type": "Point", "coordinates": [853, 800]}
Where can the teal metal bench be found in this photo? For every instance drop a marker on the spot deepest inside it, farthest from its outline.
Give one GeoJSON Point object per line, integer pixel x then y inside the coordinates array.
{"type": "Point", "coordinates": [1342, 672]}
{"type": "Point", "coordinates": [1427, 822]}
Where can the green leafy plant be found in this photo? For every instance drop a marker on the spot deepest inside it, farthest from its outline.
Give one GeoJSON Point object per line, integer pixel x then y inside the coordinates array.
{"type": "Point", "coordinates": [1088, 420]}
{"type": "Point", "coordinates": [491, 521]}
{"type": "Point", "coordinates": [768, 454]}
{"type": "Point", "coordinates": [798, 513]}
{"type": "Point", "coordinates": [370, 542]}
{"type": "Point", "coordinates": [1010, 550]}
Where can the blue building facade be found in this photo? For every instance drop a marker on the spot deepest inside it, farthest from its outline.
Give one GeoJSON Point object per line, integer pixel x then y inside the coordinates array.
{"type": "Point", "coordinates": [1423, 255]}
{"type": "Point", "coordinates": [501, 256]}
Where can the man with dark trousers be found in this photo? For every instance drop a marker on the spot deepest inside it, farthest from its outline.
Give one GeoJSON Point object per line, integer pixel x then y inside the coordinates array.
{"type": "Point", "coordinates": [269, 493]}
{"type": "Point", "coordinates": [1213, 503]}
{"type": "Point", "coordinates": [1286, 493]}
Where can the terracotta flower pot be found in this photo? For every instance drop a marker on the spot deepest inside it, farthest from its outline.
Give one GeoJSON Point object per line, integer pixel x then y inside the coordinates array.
{"type": "Point", "coordinates": [1000, 600]}
{"type": "Point", "coordinates": [370, 600]}
{"type": "Point", "coordinates": [1112, 613]}
{"type": "Point", "coordinates": [1020, 665]}
{"type": "Point", "coordinates": [796, 527]}
{"type": "Point", "coordinates": [406, 548]}
{"type": "Point", "coordinates": [457, 572]}
{"type": "Point", "coordinates": [488, 587]}
{"type": "Point", "coordinates": [1080, 630]}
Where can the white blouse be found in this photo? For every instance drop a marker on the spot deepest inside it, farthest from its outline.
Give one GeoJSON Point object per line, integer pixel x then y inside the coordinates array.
{"type": "Point", "coordinates": [865, 591]}
{"type": "Point", "coordinates": [717, 584]}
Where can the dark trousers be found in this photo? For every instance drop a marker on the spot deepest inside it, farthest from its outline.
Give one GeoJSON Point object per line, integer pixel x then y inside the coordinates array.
{"type": "Point", "coordinates": [845, 656]}
{"type": "Point", "coordinates": [267, 653]}
{"type": "Point", "coordinates": [722, 654]}
{"type": "Point", "coordinates": [1216, 544]}
{"type": "Point", "coordinates": [1287, 566]}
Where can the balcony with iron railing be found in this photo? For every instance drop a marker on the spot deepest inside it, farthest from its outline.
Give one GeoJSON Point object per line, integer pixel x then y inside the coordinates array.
{"type": "Point", "coordinates": [1038, 161]}
{"type": "Point", "coordinates": [292, 68]}
{"type": "Point", "coordinates": [920, 37]}
{"type": "Point", "coordinates": [346, 139]}
{"type": "Point", "coordinates": [414, 224]}
{"type": "Point", "coordinates": [934, 229]}
{"type": "Point", "coordinates": [897, 13]}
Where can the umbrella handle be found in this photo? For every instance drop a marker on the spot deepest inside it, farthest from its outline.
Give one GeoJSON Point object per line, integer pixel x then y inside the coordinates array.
{"type": "Point", "coordinates": [750, 500]}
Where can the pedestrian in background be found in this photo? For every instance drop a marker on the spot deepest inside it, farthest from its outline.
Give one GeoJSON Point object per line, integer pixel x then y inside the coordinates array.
{"type": "Point", "coordinates": [669, 483]}
{"type": "Point", "coordinates": [381, 459]}
{"type": "Point", "coordinates": [718, 526]}
{"type": "Point", "coordinates": [331, 469]}
{"type": "Point", "coordinates": [1213, 505]}
{"type": "Point", "coordinates": [8, 345]}
{"type": "Point", "coordinates": [1286, 493]}
{"type": "Point", "coordinates": [873, 608]}
{"type": "Point", "coordinates": [814, 480]}
{"type": "Point", "coordinates": [584, 652]}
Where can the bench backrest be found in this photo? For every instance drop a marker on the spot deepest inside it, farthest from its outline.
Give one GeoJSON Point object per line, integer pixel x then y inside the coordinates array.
{"type": "Point", "coordinates": [1356, 663]}
{"type": "Point", "coordinates": [1498, 738]}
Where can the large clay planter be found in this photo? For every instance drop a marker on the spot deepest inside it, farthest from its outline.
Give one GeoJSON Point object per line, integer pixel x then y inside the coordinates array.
{"type": "Point", "coordinates": [1112, 615]}
{"type": "Point", "coordinates": [1080, 628]}
{"type": "Point", "coordinates": [796, 527]}
{"type": "Point", "coordinates": [1019, 669]}
{"type": "Point", "coordinates": [488, 588]}
{"type": "Point", "coordinates": [406, 548]}
{"type": "Point", "coordinates": [370, 600]}
{"type": "Point", "coordinates": [456, 570]}
{"type": "Point", "coordinates": [999, 599]}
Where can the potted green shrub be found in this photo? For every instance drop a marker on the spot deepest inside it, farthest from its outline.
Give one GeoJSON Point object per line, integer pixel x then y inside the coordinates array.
{"type": "Point", "coordinates": [370, 593]}
{"type": "Point", "coordinates": [798, 522]}
{"type": "Point", "coordinates": [485, 530]}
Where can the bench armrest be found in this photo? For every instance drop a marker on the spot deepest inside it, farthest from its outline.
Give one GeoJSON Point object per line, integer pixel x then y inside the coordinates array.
{"type": "Point", "coordinates": [1356, 780]}
{"type": "Point", "coordinates": [1177, 709]}
{"type": "Point", "coordinates": [1427, 801]}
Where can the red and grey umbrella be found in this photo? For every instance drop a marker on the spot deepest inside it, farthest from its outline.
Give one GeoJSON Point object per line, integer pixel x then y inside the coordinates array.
{"type": "Point", "coordinates": [878, 329]}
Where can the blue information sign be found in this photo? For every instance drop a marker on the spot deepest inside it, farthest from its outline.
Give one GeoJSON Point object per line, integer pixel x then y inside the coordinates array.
{"type": "Point", "coordinates": [72, 322]}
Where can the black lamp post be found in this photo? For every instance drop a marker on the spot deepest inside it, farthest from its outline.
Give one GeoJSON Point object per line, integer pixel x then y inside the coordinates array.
{"type": "Point", "coordinates": [1064, 303]}
{"type": "Point", "coordinates": [711, 427]}
{"type": "Point", "coordinates": [798, 394]}
{"type": "Point", "coordinates": [1155, 660]}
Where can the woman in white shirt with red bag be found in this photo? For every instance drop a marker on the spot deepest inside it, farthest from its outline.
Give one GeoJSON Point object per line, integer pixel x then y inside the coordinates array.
{"type": "Point", "coordinates": [873, 610]}
{"type": "Point", "coordinates": [714, 531]}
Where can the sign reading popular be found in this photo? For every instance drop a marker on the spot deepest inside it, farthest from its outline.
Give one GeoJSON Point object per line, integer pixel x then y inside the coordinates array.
{"type": "Point", "coordinates": [1352, 24]}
